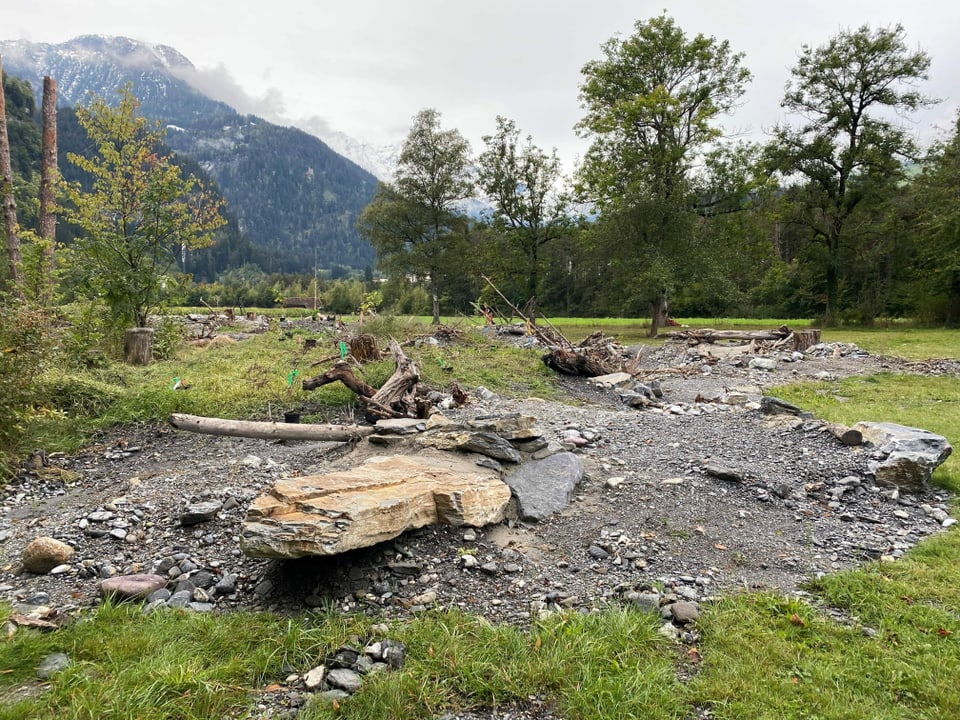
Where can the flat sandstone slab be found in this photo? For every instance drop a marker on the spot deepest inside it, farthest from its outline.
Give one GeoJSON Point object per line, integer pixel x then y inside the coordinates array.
{"type": "Point", "coordinates": [373, 502]}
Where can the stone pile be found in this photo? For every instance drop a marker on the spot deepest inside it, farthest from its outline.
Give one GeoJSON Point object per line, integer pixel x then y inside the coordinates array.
{"type": "Point", "coordinates": [462, 474]}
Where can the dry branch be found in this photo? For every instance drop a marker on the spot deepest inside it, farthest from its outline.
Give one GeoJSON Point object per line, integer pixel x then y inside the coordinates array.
{"type": "Point", "coordinates": [342, 372]}
{"type": "Point", "coordinates": [397, 397]}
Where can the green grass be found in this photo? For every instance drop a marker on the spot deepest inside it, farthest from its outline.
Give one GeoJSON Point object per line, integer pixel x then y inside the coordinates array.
{"type": "Point", "coordinates": [763, 655]}
{"type": "Point", "coordinates": [164, 665]}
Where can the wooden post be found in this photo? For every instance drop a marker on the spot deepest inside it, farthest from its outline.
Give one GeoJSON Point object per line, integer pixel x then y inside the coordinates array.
{"type": "Point", "coordinates": [138, 346]}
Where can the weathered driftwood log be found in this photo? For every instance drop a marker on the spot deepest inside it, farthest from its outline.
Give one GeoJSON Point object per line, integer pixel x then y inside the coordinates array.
{"type": "Point", "coordinates": [805, 339]}
{"type": "Point", "coordinates": [342, 372]}
{"type": "Point", "coordinates": [848, 436]}
{"type": "Point", "coordinates": [707, 335]}
{"type": "Point", "coordinates": [571, 362]}
{"type": "Point", "coordinates": [398, 393]}
{"type": "Point", "coordinates": [138, 346]}
{"type": "Point", "coordinates": [364, 348]}
{"type": "Point", "coordinates": [397, 397]}
{"type": "Point", "coordinates": [268, 430]}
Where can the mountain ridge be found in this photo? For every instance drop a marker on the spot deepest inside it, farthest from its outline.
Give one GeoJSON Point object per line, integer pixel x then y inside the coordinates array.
{"type": "Point", "coordinates": [292, 194]}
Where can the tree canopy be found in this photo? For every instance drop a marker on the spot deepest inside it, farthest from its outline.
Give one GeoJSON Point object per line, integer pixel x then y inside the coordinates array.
{"type": "Point", "coordinates": [416, 223]}
{"type": "Point", "coordinates": [652, 107]}
{"type": "Point", "coordinates": [529, 205]}
{"type": "Point", "coordinates": [846, 144]}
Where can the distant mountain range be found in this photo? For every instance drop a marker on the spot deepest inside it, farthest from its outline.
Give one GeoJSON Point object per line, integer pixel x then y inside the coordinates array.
{"type": "Point", "coordinates": [294, 198]}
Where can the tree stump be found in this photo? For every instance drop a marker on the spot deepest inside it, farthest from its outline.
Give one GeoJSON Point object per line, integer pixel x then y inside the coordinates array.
{"type": "Point", "coordinates": [138, 346]}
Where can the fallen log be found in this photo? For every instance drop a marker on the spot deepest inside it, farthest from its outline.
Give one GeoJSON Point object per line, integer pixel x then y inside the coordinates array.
{"type": "Point", "coordinates": [268, 430]}
{"type": "Point", "coordinates": [707, 335]}
{"type": "Point", "coordinates": [571, 362]}
{"type": "Point", "coordinates": [848, 436]}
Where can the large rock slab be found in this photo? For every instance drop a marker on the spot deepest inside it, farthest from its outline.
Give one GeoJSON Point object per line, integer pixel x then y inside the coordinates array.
{"type": "Point", "coordinates": [373, 502]}
{"type": "Point", "coordinates": [912, 454]}
{"type": "Point", "coordinates": [543, 487]}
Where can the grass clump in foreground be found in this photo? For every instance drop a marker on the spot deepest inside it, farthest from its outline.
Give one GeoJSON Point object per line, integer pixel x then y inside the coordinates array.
{"type": "Point", "coordinates": [196, 666]}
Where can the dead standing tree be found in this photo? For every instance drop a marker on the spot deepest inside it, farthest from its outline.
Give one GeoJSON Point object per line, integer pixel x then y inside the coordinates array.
{"type": "Point", "coordinates": [14, 257]}
{"type": "Point", "coordinates": [48, 186]}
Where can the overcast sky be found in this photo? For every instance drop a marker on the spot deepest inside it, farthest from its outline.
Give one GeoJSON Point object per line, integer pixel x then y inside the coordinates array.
{"type": "Point", "coordinates": [366, 67]}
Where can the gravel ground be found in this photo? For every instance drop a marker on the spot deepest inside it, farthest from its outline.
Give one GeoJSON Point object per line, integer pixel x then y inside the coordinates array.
{"type": "Point", "coordinates": [647, 515]}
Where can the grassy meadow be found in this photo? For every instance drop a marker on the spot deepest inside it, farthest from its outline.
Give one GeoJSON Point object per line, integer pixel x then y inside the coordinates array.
{"type": "Point", "coordinates": [897, 655]}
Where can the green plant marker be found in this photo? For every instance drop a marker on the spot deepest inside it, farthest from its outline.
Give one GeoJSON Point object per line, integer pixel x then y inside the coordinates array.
{"type": "Point", "coordinates": [293, 374]}
{"type": "Point", "coordinates": [344, 349]}
{"type": "Point", "coordinates": [175, 383]}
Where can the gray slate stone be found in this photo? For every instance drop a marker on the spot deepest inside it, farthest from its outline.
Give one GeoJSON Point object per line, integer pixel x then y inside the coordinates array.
{"type": "Point", "coordinates": [543, 487]}
{"type": "Point", "coordinates": [344, 679]}
{"type": "Point", "coordinates": [685, 612]}
{"type": "Point", "coordinates": [912, 454]}
{"type": "Point", "coordinates": [200, 512]}
{"type": "Point", "coordinates": [52, 664]}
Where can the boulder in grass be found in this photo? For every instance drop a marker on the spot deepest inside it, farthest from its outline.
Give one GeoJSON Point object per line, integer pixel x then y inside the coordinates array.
{"type": "Point", "coordinates": [132, 587]}
{"type": "Point", "coordinates": [44, 554]}
{"type": "Point", "coordinates": [909, 455]}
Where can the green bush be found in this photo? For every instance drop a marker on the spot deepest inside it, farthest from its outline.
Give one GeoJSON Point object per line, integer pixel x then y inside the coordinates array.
{"type": "Point", "coordinates": [23, 353]}
{"type": "Point", "coordinates": [78, 395]}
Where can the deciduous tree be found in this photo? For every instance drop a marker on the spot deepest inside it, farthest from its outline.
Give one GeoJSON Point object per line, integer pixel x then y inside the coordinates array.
{"type": "Point", "coordinates": [416, 223]}
{"type": "Point", "coordinates": [846, 144]}
{"type": "Point", "coordinates": [652, 105]}
{"type": "Point", "coordinates": [530, 207]}
{"type": "Point", "coordinates": [137, 213]}
{"type": "Point", "coordinates": [937, 192]}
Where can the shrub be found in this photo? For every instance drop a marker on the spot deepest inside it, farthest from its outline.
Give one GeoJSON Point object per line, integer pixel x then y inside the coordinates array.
{"type": "Point", "coordinates": [23, 353]}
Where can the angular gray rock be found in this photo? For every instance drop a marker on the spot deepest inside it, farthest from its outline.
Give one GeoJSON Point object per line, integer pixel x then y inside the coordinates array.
{"type": "Point", "coordinates": [543, 487]}
{"type": "Point", "coordinates": [912, 454]}
{"type": "Point", "coordinates": [509, 427]}
{"type": "Point", "coordinates": [484, 442]}
{"type": "Point", "coordinates": [344, 679]}
{"type": "Point", "coordinates": [52, 664]}
{"type": "Point", "coordinates": [200, 512]}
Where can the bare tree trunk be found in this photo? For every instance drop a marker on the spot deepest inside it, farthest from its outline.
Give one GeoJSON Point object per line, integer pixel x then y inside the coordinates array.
{"type": "Point", "coordinates": [138, 345]}
{"type": "Point", "coordinates": [48, 185]}
{"type": "Point", "coordinates": [660, 314]}
{"type": "Point", "coordinates": [14, 257]}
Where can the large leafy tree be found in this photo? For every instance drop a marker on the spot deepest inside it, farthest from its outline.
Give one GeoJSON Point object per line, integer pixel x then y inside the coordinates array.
{"type": "Point", "coordinates": [137, 213]}
{"type": "Point", "coordinates": [846, 145]}
{"type": "Point", "coordinates": [652, 108]}
{"type": "Point", "coordinates": [529, 206]}
{"type": "Point", "coordinates": [416, 223]}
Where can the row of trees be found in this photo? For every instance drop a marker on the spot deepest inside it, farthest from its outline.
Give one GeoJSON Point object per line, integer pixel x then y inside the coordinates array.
{"type": "Point", "coordinates": [839, 215]}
